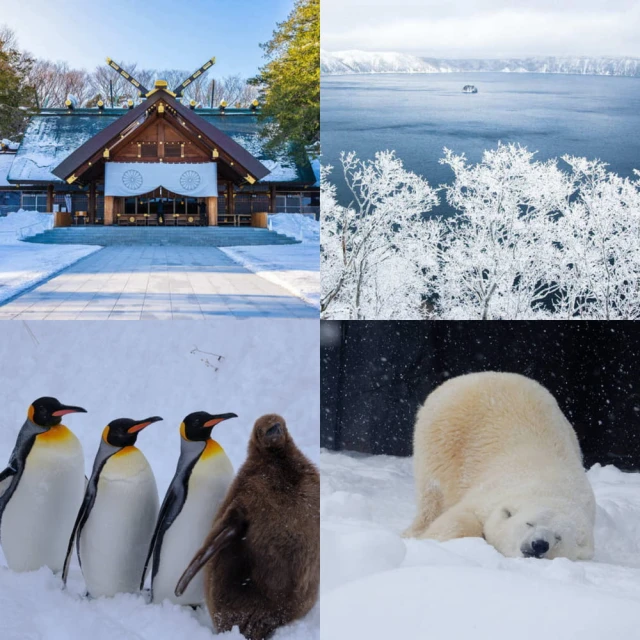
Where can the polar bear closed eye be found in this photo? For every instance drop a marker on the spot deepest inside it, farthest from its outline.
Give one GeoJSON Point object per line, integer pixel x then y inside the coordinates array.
{"type": "Point", "coordinates": [495, 457]}
{"type": "Point", "coordinates": [533, 532]}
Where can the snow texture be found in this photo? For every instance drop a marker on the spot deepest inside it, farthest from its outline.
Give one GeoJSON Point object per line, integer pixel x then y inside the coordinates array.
{"type": "Point", "coordinates": [23, 265]}
{"type": "Point", "coordinates": [249, 367]}
{"type": "Point", "coordinates": [282, 168]}
{"type": "Point", "coordinates": [295, 267]}
{"type": "Point", "coordinates": [6, 159]}
{"type": "Point", "coordinates": [48, 140]}
{"type": "Point", "coordinates": [355, 61]}
{"type": "Point", "coordinates": [23, 224]}
{"type": "Point", "coordinates": [377, 585]}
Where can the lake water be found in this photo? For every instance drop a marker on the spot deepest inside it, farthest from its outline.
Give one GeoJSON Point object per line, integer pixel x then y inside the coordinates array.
{"type": "Point", "coordinates": [419, 115]}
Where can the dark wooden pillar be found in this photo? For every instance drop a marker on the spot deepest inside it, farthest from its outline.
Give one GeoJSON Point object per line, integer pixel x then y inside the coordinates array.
{"type": "Point", "coordinates": [273, 199]}
{"type": "Point", "coordinates": [50, 198]}
{"type": "Point", "coordinates": [92, 202]}
{"type": "Point", "coordinates": [231, 205]}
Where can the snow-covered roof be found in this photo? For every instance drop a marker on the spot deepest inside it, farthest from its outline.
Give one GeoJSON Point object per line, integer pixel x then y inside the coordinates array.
{"type": "Point", "coordinates": [50, 137]}
{"type": "Point", "coordinates": [54, 134]}
{"type": "Point", "coordinates": [6, 160]}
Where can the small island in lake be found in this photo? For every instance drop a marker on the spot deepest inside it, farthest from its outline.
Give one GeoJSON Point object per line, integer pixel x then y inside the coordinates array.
{"type": "Point", "coordinates": [469, 88]}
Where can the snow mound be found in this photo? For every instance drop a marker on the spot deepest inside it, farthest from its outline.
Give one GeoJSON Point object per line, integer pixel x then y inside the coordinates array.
{"type": "Point", "coordinates": [301, 227]}
{"type": "Point", "coordinates": [442, 603]}
{"type": "Point", "coordinates": [23, 224]}
{"type": "Point", "coordinates": [378, 586]}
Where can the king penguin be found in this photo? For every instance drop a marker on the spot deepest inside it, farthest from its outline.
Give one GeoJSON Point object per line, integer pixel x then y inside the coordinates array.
{"type": "Point", "coordinates": [116, 520]}
{"type": "Point", "coordinates": [202, 477]}
{"type": "Point", "coordinates": [41, 489]}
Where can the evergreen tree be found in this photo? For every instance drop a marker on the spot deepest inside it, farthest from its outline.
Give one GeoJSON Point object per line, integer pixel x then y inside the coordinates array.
{"type": "Point", "coordinates": [290, 82]}
{"type": "Point", "coordinates": [17, 97]}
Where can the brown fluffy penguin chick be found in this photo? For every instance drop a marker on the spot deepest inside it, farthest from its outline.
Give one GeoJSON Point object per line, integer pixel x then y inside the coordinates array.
{"type": "Point", "coordinates": [262, 556]}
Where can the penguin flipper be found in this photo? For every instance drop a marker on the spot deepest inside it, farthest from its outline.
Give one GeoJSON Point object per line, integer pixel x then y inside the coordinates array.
{"type": "Point", "coordinates": [6, 478]}
{"type": "Point", "coordinates": [83, 514]}
{"type": "Point", "coordinates": [164, 521]}
{"type": "Point", "coordinates": [231, 526]}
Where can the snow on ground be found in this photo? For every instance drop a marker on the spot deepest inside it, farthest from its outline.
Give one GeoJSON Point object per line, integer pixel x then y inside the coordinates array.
{"type": "Point", "coordinates": [379, 586]}
{"type": "Point", "coordinates": [249, 367]}
{"type": "Point", "coordinates": [23, 224]}
{"type": "Point", "coordinates": [304, 228]}
{"type": "Point", "coordinates": [295, 267]}
{"type": "Point", "coordinates": [22, 264]}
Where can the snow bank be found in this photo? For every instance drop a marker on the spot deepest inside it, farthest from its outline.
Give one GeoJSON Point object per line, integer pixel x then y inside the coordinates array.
{"type": "Point", "coordinates": [295, 267]}
{"type": "Point", "coordinates": [250, 367]}
{"type": "Point", "coordinates": [301, 227]}
{"type": "Point", "coordinates": [23, 265]}
{"type": "Point", "coordinates": [377, 585]}
{"type": "Point", "coordinates": [22, 224]}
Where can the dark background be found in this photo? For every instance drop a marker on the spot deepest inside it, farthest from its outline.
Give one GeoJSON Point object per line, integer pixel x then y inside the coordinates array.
{"type": "Point", "coordinates": [374, 375]}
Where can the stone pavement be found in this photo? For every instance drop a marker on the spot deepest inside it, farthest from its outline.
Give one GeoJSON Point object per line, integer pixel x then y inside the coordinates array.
{"type": "Point", "coordinates": [156, 283]}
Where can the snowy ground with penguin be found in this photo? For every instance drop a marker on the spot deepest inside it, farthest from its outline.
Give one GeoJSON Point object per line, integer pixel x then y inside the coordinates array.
{"type": "Point", "coordinates": [248, 367]}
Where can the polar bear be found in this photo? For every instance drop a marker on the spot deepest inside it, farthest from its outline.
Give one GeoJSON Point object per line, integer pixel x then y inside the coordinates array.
{"type": "Point", "coordinates": [495, 457]}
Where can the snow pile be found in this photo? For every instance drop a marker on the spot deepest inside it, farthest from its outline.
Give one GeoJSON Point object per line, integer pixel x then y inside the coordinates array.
{"type": "Point", "coordinates": [23, 224]}
{"type": "Point", "coordinates": [301, 227]}
{"type": "Point", "coordinates": [23, 265]}
{"type": "Point", "coordinates": [295, 267]}
{"type": "Point", "coordinates": [377, 585]}
{"type": "Point", "coordinates": [249, 367]}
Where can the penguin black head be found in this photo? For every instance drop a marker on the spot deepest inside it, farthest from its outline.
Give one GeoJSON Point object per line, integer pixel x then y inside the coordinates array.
{"type": "Point", "coordinates": [123, 432]}
{"type": "Point", "coordinates": [47, 412]}
{"type": "Point", "coordinates": [197, 426]}
{"type": "Point", "coordinates": [270, 432]}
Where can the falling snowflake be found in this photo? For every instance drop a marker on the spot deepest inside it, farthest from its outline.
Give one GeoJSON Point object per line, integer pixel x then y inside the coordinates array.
{"type": "Point", "coordinates": [190, 180]}
{"type": "Point", "coordinates": [132, 179]}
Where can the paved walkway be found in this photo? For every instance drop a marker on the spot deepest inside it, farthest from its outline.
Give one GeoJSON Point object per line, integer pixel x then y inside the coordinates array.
{"type": "Point", "coordinates": [156, 283]}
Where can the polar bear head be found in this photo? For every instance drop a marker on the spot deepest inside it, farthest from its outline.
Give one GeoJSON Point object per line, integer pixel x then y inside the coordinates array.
{"type": "Point", "coordinates": [537, 531]}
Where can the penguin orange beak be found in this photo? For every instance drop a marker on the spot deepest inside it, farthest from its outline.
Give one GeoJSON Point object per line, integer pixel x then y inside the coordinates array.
{"type": "Point", "coordinates": [139, 426]}
{"type": "Point", "coordinates": [218, 419]}
{"type": "Point", "coordinates": [64, 410]}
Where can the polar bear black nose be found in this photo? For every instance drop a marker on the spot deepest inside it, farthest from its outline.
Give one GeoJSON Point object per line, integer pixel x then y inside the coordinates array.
{"type": "Point", "coordinates": [540, 547]}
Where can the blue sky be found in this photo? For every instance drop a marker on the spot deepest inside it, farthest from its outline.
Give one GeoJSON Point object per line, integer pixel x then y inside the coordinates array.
{"type": "Point", "coordinates": [176, 34]}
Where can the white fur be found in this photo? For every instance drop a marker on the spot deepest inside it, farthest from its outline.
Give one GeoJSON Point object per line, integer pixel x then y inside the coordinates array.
{"type": "Point", "coordinates": [115, 539]}
{"type": "Point", "coordinates": [208, 485]}
{"type": "Point", "coordinates": [38, 519]}
{"type": "Point", "coordinates": [490, 444]}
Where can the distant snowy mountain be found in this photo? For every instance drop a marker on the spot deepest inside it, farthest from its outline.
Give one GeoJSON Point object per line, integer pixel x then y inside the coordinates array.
{"type": "Point", "coordinates": [369, 62]}
{"type": "Point", "coordinates": [348, 62]}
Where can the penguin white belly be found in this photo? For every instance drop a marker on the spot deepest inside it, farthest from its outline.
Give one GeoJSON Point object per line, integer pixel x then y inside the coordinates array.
{"type": "Point", "coordinates": [115, 538]}
{"type": "Point", "coordinates": [39, 517]}
{"type": "Point", "coordinates": [208, 485]}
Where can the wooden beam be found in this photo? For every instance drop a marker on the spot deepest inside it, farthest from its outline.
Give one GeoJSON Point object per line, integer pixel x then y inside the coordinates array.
{"type": "Point", "coordinates": [273, 202]}
{"type": "Point", "coordinates": [50, 195]}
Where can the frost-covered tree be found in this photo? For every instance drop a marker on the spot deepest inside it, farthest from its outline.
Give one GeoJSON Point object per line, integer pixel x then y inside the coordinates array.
{"type": "Point", "coordinates": [365, 261]}
{"type": "Point", "coordinates": [500, 241]}
{"type": "Point", "coordinates": [526, 240]}
{"type": "Point", "coordinates": [600, 234]}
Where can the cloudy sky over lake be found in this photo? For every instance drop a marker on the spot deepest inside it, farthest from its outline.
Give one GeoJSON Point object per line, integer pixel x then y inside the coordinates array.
{"type": "Point", "coordinates": [484, 28]}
